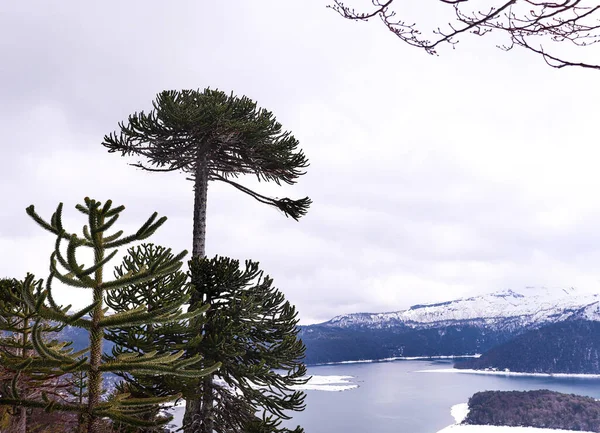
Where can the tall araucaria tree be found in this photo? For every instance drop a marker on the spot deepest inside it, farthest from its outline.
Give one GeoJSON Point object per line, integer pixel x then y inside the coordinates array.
{"type": "Point", "coordinates": [211, 136]}
{"type": "Point", "coordinates": [94, 318]}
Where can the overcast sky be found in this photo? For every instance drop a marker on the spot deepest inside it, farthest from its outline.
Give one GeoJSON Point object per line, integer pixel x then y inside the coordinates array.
{"type": "Point", "coordinates": [432, 178]}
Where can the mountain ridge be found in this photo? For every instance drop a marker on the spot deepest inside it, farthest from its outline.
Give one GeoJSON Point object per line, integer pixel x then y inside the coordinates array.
{"type": "Point", "coordinates": [541, 305]}
{"type": "Point", "coordinates": [463, 326]}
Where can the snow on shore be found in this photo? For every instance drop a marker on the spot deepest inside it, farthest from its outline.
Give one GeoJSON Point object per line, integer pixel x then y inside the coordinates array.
{"type": "Point", "coordinates": [399, 358]}
{"type": "Point", "coordinates": [316, 383]}
{"type": "Point", "coordinates": [328, 383]}
{"type": "Point", "coordinates": [499, 429]}
{"type": "Point", "coordinates": [508, 373]}
{"type": "Point", "coordinates": [460, 411]}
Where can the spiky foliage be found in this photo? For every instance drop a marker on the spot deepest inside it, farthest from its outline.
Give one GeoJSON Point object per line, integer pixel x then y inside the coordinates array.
{"type": "Point", "coordinates": [252, 331]}
{"type": "Point", "coordinates": [146, 338]}
{"type": "Point", "coordinates": [210, 135]}
{"type": "Point", "coordinates": [77, 392]}
{"type": "Point", "coordinates": [23, 373]}
{"type": "Point", "coordinates": [65, 267]}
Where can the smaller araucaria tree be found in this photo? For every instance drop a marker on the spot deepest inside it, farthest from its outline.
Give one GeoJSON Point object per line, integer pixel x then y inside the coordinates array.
{"type": "Point", "coordinates": [95, 319]}
{"type": "Point", "coordinates": [23, 373]}
{"type": "Point", "coordinates": [145, 338]}
{"type": "Point", "coordinates": [251, 330]}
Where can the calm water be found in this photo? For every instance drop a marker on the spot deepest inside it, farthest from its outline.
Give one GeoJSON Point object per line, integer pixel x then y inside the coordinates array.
{"type": "Point", "coordinates": [393, 398]}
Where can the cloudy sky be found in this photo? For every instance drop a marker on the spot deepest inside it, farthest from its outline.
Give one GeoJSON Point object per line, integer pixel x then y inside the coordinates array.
{"type": "Point", "coordinates": [432, 177]}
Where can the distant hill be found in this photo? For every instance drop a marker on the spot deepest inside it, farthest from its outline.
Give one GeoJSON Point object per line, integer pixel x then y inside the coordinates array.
{"type": "Point", "coordinates": [460, 327]}
{"type": "Point", "coordinates": [565, 347]}
{"type": "Point", "coordinates": [330, 344]}
{"type": "Point", "coordinates": [541, 408]}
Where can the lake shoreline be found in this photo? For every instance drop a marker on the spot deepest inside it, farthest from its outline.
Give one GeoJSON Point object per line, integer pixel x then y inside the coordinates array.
{"type": "Point", "coordinates": [391, 398]}
{"type": "Point", "coordinates": [511, 373]}
{"type": "Point", "coordinates": [395, 358]}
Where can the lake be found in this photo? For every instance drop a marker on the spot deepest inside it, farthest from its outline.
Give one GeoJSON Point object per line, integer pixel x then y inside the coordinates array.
{"type": "Point", "coordinates": [392, 397]}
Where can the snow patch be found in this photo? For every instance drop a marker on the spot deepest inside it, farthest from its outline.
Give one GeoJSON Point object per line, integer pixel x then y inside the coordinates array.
{"type": "Point", "coordinates": [328, 383]}
{"type": "Point", "coordinates": [459, 412]}
{"type": "Point", "coordinates": [508, 373]}
{"type": "Point", "coordinates": [177, 411]}
{"type": "Point", "coordinates": [316, 383]}
{"type": "Point", "coordinates": [400, 358]}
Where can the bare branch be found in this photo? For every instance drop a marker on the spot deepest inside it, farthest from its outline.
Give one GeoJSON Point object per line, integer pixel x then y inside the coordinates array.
{"type": "Point", "coordinates": [349, 13]}
{"type": "Point", "coordinates": [526, 23]}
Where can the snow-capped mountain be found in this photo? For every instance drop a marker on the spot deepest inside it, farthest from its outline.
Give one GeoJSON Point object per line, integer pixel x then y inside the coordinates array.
{"type": "Point", "coordinates": [461, 327]}
{"type": "Point", "coordinates": [527, 307]}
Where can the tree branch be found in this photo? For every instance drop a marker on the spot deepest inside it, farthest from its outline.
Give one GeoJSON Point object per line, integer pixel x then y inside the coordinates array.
{"type": "Point", "coordinates": [521, 21]}
{"type": "Point", "coordinates": [291, 208]}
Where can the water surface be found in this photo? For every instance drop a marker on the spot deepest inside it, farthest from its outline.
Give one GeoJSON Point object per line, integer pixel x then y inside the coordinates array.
{"type": "Point", "coordinates": [393, 397]}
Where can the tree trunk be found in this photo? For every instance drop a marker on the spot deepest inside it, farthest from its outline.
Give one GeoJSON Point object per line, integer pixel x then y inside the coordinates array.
{"type": "Point", "coordinates": [206, 408]}
{"type": "Point", "coordinates": [197, 418]}
{"type": "Point", "coordinates": [96, 340]}
{"type": "Point", "coordinates": [200, 195]}
{"type": "Point", "coordinates": [18, 421]}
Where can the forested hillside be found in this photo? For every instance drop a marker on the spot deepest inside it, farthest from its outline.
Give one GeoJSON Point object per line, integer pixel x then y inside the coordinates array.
{"type": "Point", "coordinates": [565, 347]}
{"type": "Point", "coordinates": [540, 408]}
{"type": "Point", "coordinates": [331, 344]}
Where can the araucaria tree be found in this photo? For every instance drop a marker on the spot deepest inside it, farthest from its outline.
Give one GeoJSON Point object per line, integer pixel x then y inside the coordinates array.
{"type": "Point", "coordinates": [23, 372]}
{"type": "Point", "coordinates": [212, 136]}
{"type": "Point", "coordinates": [251, 331]}
{"type": "Point", "coordinates": [540, 26]}
{"type": "Point", "coordinates": [65, 267]}
{"type": "Point", "coordinates": [145, 338]}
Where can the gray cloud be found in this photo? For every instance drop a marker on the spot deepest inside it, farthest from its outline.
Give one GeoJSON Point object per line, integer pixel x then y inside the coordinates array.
{"type": "Point", "coordinates": [432, 177]}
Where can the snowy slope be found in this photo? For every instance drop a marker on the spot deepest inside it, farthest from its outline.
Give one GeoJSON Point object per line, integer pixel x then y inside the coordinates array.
{"type": "Point", "coordinates": [506, 309]}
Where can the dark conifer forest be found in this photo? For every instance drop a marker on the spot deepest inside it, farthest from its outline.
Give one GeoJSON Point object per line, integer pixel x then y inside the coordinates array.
{"type": "Point", "coordinates": [540, 408]}
{"type": "Point", "coordinates": [565, 347]}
